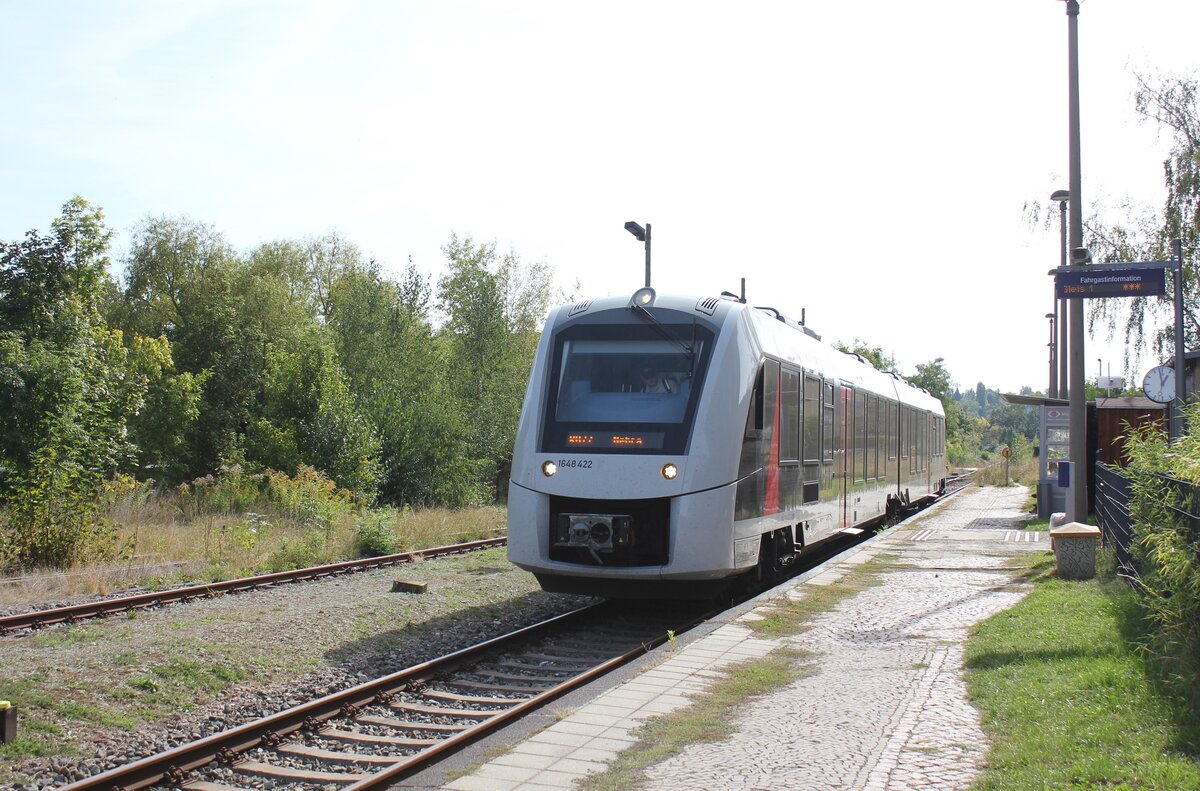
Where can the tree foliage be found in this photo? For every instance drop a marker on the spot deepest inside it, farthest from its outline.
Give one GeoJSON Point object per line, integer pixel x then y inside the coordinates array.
{"type": "Point", "coordinates": [299, 357]}
{"type": "Point", "coordinates": [1147, 322]}
{"type": "Point", "coordinates": [875, 355]}
{"type": "Point", "coordinates": [65, 391]}
{"type": "Point", "coordinates": [492, 304]}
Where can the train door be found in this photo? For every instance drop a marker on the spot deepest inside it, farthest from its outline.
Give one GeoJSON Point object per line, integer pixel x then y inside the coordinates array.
{"type": "Point", "coordinates": [846, 433]}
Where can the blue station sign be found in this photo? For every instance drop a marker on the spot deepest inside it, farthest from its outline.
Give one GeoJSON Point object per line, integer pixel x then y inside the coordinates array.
{"type": "Point", "coordinates": [1093, 282]}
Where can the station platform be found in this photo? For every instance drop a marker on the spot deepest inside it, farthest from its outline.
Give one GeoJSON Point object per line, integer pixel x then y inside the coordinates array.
{"type": "Point", "coordinates": [880, 703]}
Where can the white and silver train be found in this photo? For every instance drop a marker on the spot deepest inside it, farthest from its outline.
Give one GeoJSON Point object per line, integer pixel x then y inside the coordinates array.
{"type": "Point", "coordinates": [671, 445]}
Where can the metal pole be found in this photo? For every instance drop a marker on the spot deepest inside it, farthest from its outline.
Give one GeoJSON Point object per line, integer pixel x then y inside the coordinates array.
{"type": "Point", "coordinates": [647, 255]}
{"type": "Point", "coordinates": [1063, 323]}
{"type": "Point", "coordinates": [1176, 429]}
{"type": "Point", "coordinates": [1052, 390]}
{"type": "Point", "coordinates": [1078, 406]}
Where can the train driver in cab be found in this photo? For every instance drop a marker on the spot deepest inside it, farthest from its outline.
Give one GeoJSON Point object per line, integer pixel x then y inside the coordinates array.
{"type": "Point", "coordinates": [654, 382]}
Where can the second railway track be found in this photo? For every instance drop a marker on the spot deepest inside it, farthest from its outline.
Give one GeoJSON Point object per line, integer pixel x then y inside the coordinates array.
{"type": "Point", "coordinates": [36, 619]}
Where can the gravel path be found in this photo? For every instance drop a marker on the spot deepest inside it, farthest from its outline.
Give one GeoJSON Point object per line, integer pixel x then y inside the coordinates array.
{"type": "Point", "coordinates": [106, 692]}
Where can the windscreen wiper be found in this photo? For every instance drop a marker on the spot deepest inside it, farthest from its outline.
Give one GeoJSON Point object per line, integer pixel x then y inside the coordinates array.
{"type": "Point", "coordinates": [666, 332]}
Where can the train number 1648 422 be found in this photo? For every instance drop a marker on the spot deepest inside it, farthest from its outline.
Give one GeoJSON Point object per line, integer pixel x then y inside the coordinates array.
{"type": "Point", "coordinates": [583, 464]}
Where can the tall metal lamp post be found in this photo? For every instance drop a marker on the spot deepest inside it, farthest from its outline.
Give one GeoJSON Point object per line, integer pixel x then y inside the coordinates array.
{"type": "Point", "coordinates": [1077, 510]}
{"type": "Point", "coordinates": [1060, 305]}
{"type": "Point", "coordinates": [642, 235]}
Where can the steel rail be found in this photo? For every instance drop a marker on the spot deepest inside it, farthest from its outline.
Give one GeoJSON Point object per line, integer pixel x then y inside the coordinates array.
{"type": "Point", "coordinates": [172, 765]}
{"type": "Point", "coordinates": [100, 609]}
{"type": "Point", "coordinates": [414, 763]}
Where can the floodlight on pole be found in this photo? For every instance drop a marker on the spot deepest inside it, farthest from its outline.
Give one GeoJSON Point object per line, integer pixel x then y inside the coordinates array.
{"type": "Point", "coordinates": [642, 235]}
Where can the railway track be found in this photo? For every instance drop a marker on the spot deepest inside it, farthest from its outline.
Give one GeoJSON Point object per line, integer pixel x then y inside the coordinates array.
{"type": "Point", "coordinates": [37, 619]}
{"type": "Point", "coordinates": [387, 729]}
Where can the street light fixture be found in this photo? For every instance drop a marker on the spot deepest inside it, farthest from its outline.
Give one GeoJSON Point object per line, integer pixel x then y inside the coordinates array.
{"type": "Point", "coordinates": [642, 235]}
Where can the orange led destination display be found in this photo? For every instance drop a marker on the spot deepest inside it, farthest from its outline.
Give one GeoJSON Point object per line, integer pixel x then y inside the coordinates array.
{"type": "Point", "coordinates": [628, 440]}
{"type": "Point", "coordinates": [642, 439]}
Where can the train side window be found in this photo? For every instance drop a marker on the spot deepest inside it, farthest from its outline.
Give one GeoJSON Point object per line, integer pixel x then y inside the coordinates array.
{"type": "Point", "coordinates": [789, 418]}
{"type": "Point", "coordinates": [757, 406]}
{"type": "Point", "coordinates": [751, 437]}
{"type": "Point", "coordinates": [812, 420]}
{"type": "Point", "coordinates": [811, 446]}
{"type": "Point", "coordinates": [860, 436]}
{"type": "Point", "coordinates": [770, 398]}
{"type": "Point", "coordinates": [924, 436]}
{"type": "Point", "coordinates": [872, 437]}
{"type": "Point", "coordinates": [828, 435]}
{"type": "Point", "coordinates": [893, 436]}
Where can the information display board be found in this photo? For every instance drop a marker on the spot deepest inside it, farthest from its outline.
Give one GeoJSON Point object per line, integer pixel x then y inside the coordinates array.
{"type": "Point", "coordinates": [1093, 282]}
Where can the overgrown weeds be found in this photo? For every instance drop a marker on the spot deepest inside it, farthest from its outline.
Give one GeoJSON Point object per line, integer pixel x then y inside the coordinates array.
{"type": "Point", "coordinates": [239, 523]}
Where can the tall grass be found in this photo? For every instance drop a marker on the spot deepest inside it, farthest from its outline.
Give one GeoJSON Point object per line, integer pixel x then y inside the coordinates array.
{"type": "Point", "coordinates": [1023, 472]}
{"type": "Point", "coordinates": [238, 524]}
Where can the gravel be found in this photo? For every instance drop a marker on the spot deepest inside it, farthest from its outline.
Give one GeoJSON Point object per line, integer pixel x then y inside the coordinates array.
{"type": "Point", "coordinates": [120, 689]}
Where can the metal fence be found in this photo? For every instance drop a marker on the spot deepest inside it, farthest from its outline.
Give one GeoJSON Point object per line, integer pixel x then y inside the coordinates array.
{"type": "Point", "coordinates": [1112, 512]}
{"type": "Point", "coordinates": [1113, 492]}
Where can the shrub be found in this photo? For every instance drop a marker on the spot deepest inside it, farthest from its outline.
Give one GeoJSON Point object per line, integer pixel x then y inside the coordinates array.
{"type": "Point", "coordinates": [373, 534]}
{"type": "Point", "coordinates": [53, 516]}
{"type": "Point", "coordinates": [1165, 482]}
{"type": "Point", "coordinates": [310, 550]}
{"type": "Point", "coordinates": [310, 499]}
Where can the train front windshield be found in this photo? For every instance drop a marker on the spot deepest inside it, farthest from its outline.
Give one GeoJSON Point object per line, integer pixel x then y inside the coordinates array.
{"type": "Point", "coordinates": [624, 389]}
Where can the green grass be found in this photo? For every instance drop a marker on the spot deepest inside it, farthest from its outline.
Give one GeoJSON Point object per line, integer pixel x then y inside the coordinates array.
{"type": "Point", "coordinates": [74, 635]}
{"type": "Point", "coordinates": [1067, 698]}
{"type": "Point", "coordinates": [709, 719]}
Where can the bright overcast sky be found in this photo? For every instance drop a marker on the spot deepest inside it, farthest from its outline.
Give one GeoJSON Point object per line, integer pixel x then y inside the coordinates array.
{"type": "Point", "coordinates": [867, 161]}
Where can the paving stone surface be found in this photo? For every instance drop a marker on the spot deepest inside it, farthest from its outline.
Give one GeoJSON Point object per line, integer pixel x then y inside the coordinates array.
{"type": "Point", "coordinates": [882, 704]}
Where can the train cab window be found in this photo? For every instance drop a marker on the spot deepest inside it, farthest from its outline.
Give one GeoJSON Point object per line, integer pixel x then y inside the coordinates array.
{"type": "Point", "coordinates": [828, 436]}
{"type": "Point", "coordinates": [625, 388]}
{"type": "Point", "coordinates": [789, 418]}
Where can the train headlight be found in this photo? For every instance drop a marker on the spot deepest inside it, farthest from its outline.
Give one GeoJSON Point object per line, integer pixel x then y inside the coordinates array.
{"type": "Point", "coordinates": [642, 298]}
{"type": "Point", "coordinates": [669, 471]}
{"type": "Point", "coordinates": [549, 468]}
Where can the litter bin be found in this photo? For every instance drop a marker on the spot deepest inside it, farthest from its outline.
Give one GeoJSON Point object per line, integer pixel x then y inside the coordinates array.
{"type": "Point", "coordinates": [8, 722]}
{"type": "Point", "coordinates": [1075, 550]}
